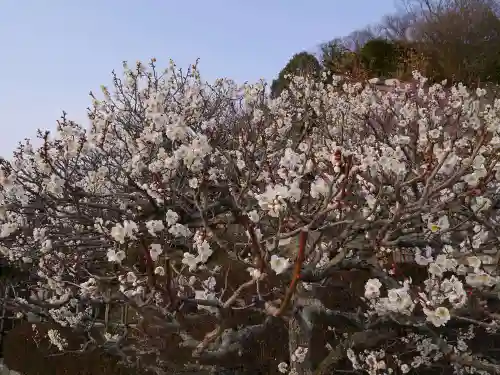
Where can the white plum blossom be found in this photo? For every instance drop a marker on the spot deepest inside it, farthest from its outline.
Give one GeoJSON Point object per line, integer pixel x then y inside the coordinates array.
{"type": "Point", "coordinates": [193, 183]}
{"type": "Point", "coordinates": [155, 251]}
{"type": "Point", "coordinates": [160, 271]}
{"type": "Point", "coordinates": [255, 273]}
{"type": "Point", "coordinates": [122, 231]}
{"type": "Point", "coordinates": [118, 233]}
{"type": "Point", "coordinates": [442, 224]}
{"type": "Point", "coordinates": [190, 260]}
{"type": "Point", "coordinates": [116, 256]}
{"type": "Point", "coordinates": [474, 262]}
{"type": "Point", "coordinates": [480, 279]}
{"type": "Point", "coordinates": [131, 277]}
{"type": "Point", "coordinates": [154, 226]}
{"type": "Point", "coordinates": [423, 259]}
{"type": "Point", "coordinates": [273, 200]}
{"type": "Point", "coordinates": [279, 264]}
{"type": "Point", "coordinates": [204, 251]}
{"type": "Point", "coordinates": [283, 367]}
{"type": "Point", "coordinates": [372, 288]}
{"type": "Point", "coordinates": [56, 339]}
{"type": "Point", "coordinates": [254, 216]}
{"type": "Point", "coordinates": [481, 204]}
{"type": "Point", "coordinates": [179, 230]}
{"type": "Point", "coordinates": [439, 316]}
{"type": "Point", "coordinates": [171, 217]}
{"type": "Point", "coordinates": [299, 354]}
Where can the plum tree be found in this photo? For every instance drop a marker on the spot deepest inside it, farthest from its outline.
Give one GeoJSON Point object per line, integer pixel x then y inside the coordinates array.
{"type": "Point", "coordinates": [186, 201]}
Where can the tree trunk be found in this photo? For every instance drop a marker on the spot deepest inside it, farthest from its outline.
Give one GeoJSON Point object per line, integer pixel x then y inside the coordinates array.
{"type": "Point", "coordinates": [298, 337]}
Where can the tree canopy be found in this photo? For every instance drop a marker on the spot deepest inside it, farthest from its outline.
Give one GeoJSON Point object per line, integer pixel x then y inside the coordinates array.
{"type": "Point", "coordinates": [196, 210]}
{"type": "Point", "coordinates": [454, 40]}
{"type": "Point", "coordinates": [303, 64]}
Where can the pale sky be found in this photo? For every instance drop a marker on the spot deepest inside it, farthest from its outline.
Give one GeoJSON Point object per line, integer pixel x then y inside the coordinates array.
{"type": "Point", "coordinates": [55, 51]}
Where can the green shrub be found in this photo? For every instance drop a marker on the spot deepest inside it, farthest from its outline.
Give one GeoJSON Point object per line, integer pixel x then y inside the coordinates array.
{"type": "Point", "coordinates": [380, 57]}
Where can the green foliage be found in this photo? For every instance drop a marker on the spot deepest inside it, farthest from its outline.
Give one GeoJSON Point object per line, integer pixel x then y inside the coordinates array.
{"type": "Point", "coordinates": [340, 60]}
{"type": "Point", "coordinates": [302, 63]}
{"type": "Point", "coordinates": [380, 57]}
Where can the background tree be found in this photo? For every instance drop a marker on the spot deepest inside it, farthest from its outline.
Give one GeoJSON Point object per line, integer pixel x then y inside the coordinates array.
{"type": "Point", "coordinates": [380, 57]}
{"type": "Point", "coordinates": [456, 40]}
{"type": "Point", "coordinates": [301, 64]}
{"type": "Point", "coordinates": [332, 55]}
{"type": "Point", "coordinates": [462, 37]}
{"type": "Point", "coordinates": [397, 27]}
{"type": "Point", "coordinates": [355, 40]}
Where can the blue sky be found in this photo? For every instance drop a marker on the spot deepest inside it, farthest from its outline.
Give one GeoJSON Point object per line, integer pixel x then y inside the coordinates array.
{"type": "Point", "coordinates": [55, 51]}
